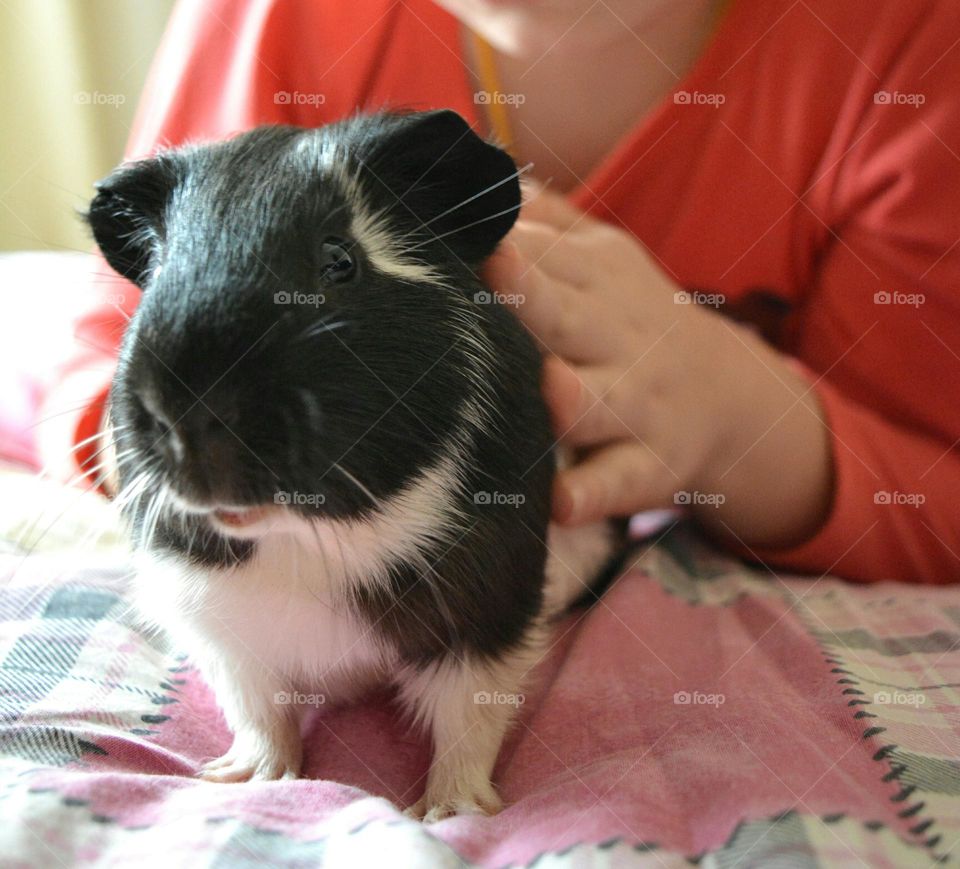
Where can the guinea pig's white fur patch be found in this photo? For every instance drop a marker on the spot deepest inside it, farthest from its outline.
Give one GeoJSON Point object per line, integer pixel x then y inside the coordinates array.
{"type": "Point", "coordinates": [278, 628]}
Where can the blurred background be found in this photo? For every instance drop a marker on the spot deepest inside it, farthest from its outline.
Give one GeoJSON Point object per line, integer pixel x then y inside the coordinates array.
{"type": "Point", "coordinates": [72, 75]}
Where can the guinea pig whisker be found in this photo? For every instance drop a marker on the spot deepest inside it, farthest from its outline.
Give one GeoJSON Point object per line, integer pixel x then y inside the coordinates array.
{"type": "Point", "coordinates": [101, 471]}
{"type": "Point", "coordinates": [442, 235]}
{"type": "Point", "coordinates": [321, 322]}
{"type": "Point", "coordinates": [138, 482]}
{"type": "Point", "coordinates": [152, 517]}
{"type": "Point", "coordinates": [520, 172]}
{"type": "Point", "coordinates": [373, 498]}
{"type": "Point", "coordinates": [133, 490]}
{"type": "Point", "coordinates": [86, 462]}
{"type": "Point", "coordinates": [317, 329]}
{"type": "Point", "coordinates": [81, 444]}
{"type": "Point", "coordinates": [60, 413]}
{"type": "Point", "coordinates": [86, 470]}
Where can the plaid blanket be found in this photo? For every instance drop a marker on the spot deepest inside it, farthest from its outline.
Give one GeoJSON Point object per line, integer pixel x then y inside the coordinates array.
{"type": "Point", "coordinates": [701, 711]}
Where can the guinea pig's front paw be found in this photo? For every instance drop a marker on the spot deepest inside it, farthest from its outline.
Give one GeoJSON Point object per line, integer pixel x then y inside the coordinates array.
{"type": "Point", "coordinates": [255, 757]}
{"type": "Point", "coordinates": [431, 807]}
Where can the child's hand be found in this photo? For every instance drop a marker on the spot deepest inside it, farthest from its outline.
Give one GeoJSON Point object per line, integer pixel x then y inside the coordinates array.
{"type": "Point", "coordinates": [660, 394]}
{"type": "Point", "coordinates": [630, 373]}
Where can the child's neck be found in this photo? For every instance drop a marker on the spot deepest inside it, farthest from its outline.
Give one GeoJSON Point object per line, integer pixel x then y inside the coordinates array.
{"type": "Point", "coordinates": [579, 100]}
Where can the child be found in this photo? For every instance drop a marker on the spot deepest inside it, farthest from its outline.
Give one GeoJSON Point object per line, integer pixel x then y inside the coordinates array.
{"type": "Point", "coordinates": [757, 319]}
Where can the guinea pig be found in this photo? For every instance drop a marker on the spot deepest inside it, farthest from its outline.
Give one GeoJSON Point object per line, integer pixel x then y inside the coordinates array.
{"type": "Point", "coordinates": [333, 454]}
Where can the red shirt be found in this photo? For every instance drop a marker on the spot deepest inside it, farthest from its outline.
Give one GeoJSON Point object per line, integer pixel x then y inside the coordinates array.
{"type": "Point", "coordinates": [807, 168]}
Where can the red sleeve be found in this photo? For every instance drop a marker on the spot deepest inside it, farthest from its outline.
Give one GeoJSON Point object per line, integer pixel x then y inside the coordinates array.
{"type": "Point", "coordinates": [894, 512]}
{"type": "Point", "coordinates": [886, 294]}
{"type": "Point", "coordinates": [222, 66]}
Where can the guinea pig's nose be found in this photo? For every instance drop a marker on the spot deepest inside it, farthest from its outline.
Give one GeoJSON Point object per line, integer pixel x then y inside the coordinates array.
{"type": "Point", "coordinates": [199, 452]}
{"type": "Point", "coordinates": [198, 432]}
{"type": "Point", "coordinates": [178, 440]}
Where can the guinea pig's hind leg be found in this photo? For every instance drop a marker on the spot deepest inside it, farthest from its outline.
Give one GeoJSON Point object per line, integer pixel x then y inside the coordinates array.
{"type": "Point", "coordinates": [467, 705]}
{"type": "Point", "coordinates": [266, 726]}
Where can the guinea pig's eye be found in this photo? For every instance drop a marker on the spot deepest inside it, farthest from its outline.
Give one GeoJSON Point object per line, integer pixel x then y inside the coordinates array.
{"type": "Point", "coordinates": [336, 262]}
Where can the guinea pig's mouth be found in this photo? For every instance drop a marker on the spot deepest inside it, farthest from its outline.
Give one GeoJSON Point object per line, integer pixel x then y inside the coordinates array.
{"type": "Point", "coordinates": [244, 523]}
{"type": "Point", "coordinates": [231, 519]}
{"type": "Point", "coordinates": [240, 518]}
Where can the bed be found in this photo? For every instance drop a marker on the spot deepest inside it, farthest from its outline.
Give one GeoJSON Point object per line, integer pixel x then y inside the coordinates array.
{"type": "Point", "coordinates": [702, 711]}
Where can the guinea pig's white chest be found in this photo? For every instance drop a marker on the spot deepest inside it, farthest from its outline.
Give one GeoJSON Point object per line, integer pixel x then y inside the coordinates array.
{"type": "Point", "coordinates": [283, 610]}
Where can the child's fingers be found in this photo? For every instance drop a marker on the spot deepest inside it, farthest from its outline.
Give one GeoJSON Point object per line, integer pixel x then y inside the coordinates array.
{"type": "Point", "coordinates": [551, 309]}
{"type": "Point", "coordinates": [596, 418]}
{"type": "Point", "coordinates": [558, 253]}
{"type": "Point", "coordinates": [617, 480]}
{"type": "Point", "coordinates": [561, 390]}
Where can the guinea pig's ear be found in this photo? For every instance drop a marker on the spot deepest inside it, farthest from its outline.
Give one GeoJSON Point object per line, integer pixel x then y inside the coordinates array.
{"type": "Point", "coordinates": [456, 190]}
{"type": "Point", "coordinates": [126, 215]}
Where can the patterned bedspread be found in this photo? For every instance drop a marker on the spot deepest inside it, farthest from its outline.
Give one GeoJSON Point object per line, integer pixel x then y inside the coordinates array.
{"type": "Point", "coordinates": [702, 711]}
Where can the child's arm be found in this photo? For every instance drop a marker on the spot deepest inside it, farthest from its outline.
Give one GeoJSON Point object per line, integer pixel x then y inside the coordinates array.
{"type": "Point", "coordinates": [878, 332]}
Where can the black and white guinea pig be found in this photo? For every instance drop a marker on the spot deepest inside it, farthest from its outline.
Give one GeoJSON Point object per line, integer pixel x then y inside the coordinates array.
{"type": "Point", "coordinates": [333, 453]}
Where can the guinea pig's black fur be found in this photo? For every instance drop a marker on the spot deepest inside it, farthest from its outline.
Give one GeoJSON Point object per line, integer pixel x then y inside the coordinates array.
{"type": "Point", "coordinates": [331, 441]}
{"type": "Point", "coordinates": [266, 397]}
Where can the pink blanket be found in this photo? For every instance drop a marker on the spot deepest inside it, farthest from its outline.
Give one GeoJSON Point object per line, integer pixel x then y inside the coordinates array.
{"type": "Point", "coordinates": [700, 709]}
